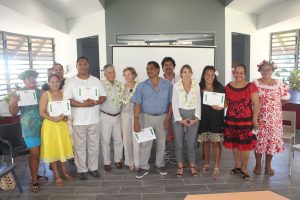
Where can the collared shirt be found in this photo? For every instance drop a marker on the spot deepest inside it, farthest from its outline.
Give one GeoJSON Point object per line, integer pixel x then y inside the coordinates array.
{"type": "Point", "coordinates": [175, 78]}
{"type": "Point", "coordinates": [153, 102]}
{"type": "Point", "coordinates": [113, 94]}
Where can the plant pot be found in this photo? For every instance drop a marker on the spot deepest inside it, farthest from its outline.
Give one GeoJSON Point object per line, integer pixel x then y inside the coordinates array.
{"type": "Point", "coordinates": [295, 97]}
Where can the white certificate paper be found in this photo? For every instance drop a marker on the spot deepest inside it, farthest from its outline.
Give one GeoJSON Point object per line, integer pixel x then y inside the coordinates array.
{"type": "Point", "coordinates": [27, 97]}
{"type": "Point", "coordinates": [144, 135]}
{"type": "Point", "coordinates": [56, 108]}
{"type": "Point", "coordinates": [213, 98]}
{"type": "Point", "coordinates": [85, 93]}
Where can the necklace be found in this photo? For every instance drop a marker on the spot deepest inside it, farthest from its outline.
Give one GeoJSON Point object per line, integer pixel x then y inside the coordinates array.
{"type": "Point", "coordinates": [183, 95]}
{"type": "Point", "coordinates": [125, 99]}
{"type": "Point", "coordinates": [115, 101]}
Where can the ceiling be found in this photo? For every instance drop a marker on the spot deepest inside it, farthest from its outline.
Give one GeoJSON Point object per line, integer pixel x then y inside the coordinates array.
{"type": "Point", "coordinates": [72, 8]}
{"type": "Point", "coordinates": [253, 6]}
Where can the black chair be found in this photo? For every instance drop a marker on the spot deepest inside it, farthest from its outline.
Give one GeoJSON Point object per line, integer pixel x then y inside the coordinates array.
{"type": "Point", "coordinates": [15, 144]}
{"type": "Point", "coordinates": [5, 169]}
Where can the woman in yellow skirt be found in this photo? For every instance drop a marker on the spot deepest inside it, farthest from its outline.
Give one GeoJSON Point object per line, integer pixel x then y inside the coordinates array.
{"type": "Point", "coordinates": [56, 142]}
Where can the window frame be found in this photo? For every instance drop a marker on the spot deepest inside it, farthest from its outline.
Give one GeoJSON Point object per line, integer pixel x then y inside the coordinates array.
{"type": "Point", "coordinates": [30, 55]}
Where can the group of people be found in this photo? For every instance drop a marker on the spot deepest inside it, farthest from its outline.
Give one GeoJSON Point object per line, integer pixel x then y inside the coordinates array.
{"type": "Point", "coordinates": [172, 103]}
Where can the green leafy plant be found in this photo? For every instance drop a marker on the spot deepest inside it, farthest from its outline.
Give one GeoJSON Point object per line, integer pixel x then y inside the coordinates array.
{"type": "Point", "coordinates": [293, 79]}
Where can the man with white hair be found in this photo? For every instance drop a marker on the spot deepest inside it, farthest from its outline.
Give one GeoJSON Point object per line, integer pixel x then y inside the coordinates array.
{"type": "Point", "coordinates": [111, 119]}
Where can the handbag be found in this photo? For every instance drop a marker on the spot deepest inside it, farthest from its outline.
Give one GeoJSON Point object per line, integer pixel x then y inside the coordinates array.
{"type": "Point", "coordinates": [7, 182]}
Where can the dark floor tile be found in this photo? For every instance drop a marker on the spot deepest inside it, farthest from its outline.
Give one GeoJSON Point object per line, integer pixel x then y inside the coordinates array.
{"type": "Point", "coordinates": [203, 181]}
{"type": "Point", "coordinates": [148, 177]}
{"type": "Point", "coordinates": [119, 197]}
{"type": "Point", "coordinates": [25, 197]}
{"type": "Point", "coordinates": [164, 196]}
{"type": "Point", "coordinates": [141, 190]}
{"type": "Point", "coordinates": [72, 197]}
{"type": "Point", "coordinates": [186, 188]}
{"type": "Point", "coordinates": [136, 183]}
{"type": "Point", "coordinates": [230, 187]}
{"type": "Point", "coordinates": [98, 190]}
{"type": "Point", "coordinates": [149, 183]}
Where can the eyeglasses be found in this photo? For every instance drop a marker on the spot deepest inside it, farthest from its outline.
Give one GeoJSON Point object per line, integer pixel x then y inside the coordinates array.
{"type": "Point", "coordinates": [266, 70]}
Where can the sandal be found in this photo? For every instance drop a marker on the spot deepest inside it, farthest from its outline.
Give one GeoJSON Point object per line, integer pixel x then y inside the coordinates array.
{"type": "Point", "coordinates": [205, 168]}
{"type": "Point", "coordinates": [235, 170]}
{"type": "Point", "coordinates": [42, 178]}
{"type": "Point", "coordinates": [35, 187]}
{"type": "Point", "coordinates": [68, 177]}
{"type": "Point", "coordinates": [59, 182]}
{"type": "Point", "coordinates": [194, 171]}
{"type": "Point", "coordinates": [216, 172]}
{"type": "Point", "coordinates": [269, 172]}
{"type": "Point", "coordinates": [245, 175]}
{"type": "Point", "coordinates": [256, 171]}
{"type": "Point", "coordinates": [179, 171]}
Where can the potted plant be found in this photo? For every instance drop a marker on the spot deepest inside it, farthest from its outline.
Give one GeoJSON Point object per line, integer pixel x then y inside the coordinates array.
{"type": "Point", "coordinates": [294, 83]}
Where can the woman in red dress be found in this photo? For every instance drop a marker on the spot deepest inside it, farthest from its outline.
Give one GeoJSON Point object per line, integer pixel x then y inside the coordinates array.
{"type": "Point", "coordinates": [241, 117]}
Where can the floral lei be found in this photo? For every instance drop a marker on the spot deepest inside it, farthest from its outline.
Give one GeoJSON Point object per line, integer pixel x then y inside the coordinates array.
{"type": "Point", "coordinates": [125, 99]}
{"type": "Point", "coordinates": [191, 102]}
{"type": "Point", "coordinates": [115, 102]}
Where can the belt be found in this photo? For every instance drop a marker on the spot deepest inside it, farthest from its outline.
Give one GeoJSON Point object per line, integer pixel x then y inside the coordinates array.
{"type": "Point", "coordinates": [113, 115]}
{"type": "Point", "coordinates": [155, 114]}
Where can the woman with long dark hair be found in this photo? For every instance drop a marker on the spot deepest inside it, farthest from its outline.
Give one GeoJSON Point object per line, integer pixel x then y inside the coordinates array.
{"type": "Point", "coordinates": [211, 126]}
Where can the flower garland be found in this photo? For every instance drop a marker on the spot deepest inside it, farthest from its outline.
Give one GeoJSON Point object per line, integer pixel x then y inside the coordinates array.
{"type": "Point", "coordinates": [125, 99]}
{"type": "Point", "coordinates": [116, 102]}
{"type": "Point", "coordinates": [188, 102]}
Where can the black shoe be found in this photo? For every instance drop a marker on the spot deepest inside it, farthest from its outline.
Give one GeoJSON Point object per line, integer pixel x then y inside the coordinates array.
{"type": "Point", "coordinates": [82, 176]}
{"type": "Point", "coordinates": [141, 173]}
{"type": "Point", "coordinates": [162, 171]}
{"type": "Point", "coordinates": [94, 173]}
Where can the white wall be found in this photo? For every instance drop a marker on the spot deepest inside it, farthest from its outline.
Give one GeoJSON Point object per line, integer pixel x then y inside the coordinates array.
{"type": "Point", "coordinates": [65, 43]}
{"type": "Point", "coordinates": [238, 22]}
{"type": "Point", "coordinates": [36, 11]}
{"type": "Point", "coordinates": [11, 21]}
{"type": "Point", "coordinates": [89, 25]}
{"type": "Point", "coordinates": [260, 38]}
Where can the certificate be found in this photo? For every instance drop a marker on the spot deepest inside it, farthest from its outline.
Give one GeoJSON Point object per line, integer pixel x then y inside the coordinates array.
{"type": "Point", "coordinates": [56, 108]}
{"type": "Point", "coordinates": [144, 135]}
{"type": "Point", "coordinates": [85, 93]}
{"type": "Point", "coordinates": [213, 98]}
{"type": "Point", "coordinates": [27, 97]}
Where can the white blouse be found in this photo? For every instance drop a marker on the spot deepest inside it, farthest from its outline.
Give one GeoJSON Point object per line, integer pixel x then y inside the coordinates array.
{"type": "Point", "coordinates": [176, 102]}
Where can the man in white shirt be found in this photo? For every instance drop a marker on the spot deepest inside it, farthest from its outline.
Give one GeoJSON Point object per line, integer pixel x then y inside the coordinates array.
{"type": "Point", "coordinates": [168, 65]}
{"type": "Point", "coordinates": [111, 119]}
{"type": "Point", "coordinates": [86, 93]}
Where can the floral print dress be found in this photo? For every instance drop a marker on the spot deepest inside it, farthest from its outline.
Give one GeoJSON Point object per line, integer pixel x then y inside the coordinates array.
{"type": "Point", "coordinates": [269, 137]}
{"type": "Point", "coordinates": [238, 121]}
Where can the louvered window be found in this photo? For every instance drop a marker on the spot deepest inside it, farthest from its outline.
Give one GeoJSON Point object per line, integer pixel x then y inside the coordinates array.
{"type": "Point", "coordinates": [19, 53]}
{"type": "Point", "coordinates": [284, 48]}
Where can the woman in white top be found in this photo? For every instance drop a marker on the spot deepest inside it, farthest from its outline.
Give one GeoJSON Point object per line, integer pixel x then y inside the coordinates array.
{"type": "Point", "coordinates": [131, 147]}
{"type": "Point", "coordinates": [186, 104]}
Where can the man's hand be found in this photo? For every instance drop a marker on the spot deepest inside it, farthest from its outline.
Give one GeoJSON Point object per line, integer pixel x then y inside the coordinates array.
{"type": "Point", "coordinates": [136, 126]}
{"type": "Point", "coordinates": [166, 124]}
{"type": "Point", "coordinates": [89, 103]}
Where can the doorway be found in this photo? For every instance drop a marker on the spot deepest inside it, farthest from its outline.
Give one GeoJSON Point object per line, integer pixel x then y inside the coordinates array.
{"type": "Point", "coordinates": [241, 51]}
{"type": "Point", "coordinates": [89, 48]}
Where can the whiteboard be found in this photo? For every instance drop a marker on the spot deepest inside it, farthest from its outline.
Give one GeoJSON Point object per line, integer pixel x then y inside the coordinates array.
{"type": "Point", "coordinates": [139, 56]}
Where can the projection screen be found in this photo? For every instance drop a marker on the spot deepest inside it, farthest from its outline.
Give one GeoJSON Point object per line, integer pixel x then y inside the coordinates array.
{"type": "Point", "coordinates": [138, 57]}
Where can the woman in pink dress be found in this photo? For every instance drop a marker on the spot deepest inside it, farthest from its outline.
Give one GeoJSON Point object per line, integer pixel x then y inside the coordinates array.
{"type": "Point", "coordinates": [272, 95]}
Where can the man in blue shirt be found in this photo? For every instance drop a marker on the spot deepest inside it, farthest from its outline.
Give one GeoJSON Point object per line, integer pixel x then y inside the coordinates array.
{"type": "Point", "coordinates": [152, 108]}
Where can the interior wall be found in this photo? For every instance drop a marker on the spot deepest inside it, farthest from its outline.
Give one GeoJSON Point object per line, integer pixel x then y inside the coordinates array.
{"type": "Point", "coordinates": [89, 25]}
{"type": "Point", "coordinates": [167, 16]}
{"type": "Point", "coordinates": [11, 21]}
